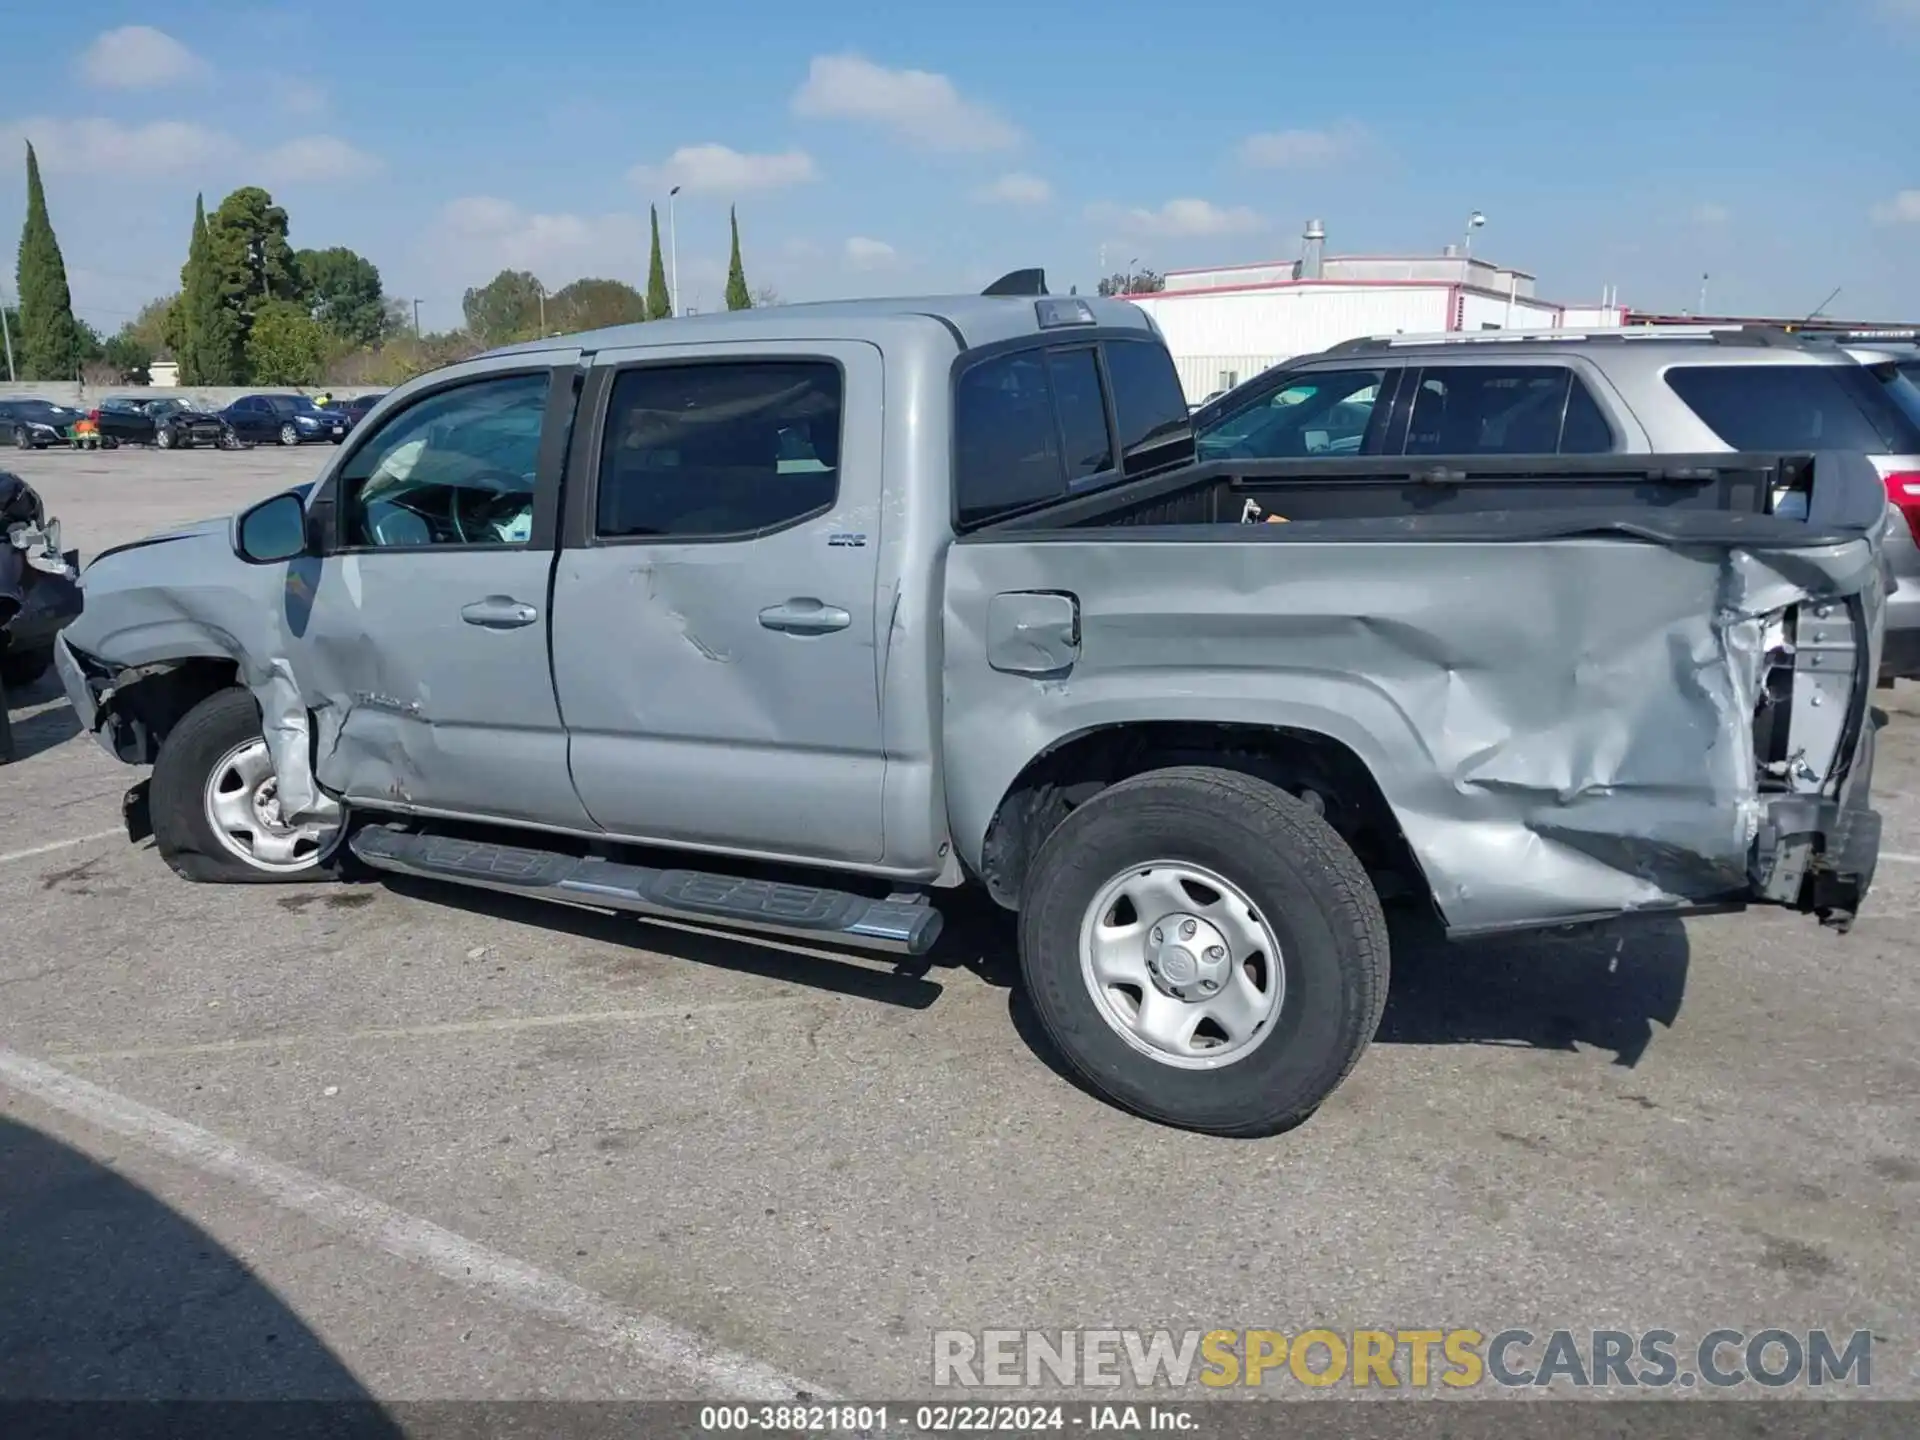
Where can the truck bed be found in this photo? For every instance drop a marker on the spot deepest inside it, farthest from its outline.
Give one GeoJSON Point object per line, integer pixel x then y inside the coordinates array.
{"type": "Point", "coordinates": [1582, 686]}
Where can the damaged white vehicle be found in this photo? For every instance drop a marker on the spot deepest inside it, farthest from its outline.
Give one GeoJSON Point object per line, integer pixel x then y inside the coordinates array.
{"type": "Point", "coordinates": [793, 620]}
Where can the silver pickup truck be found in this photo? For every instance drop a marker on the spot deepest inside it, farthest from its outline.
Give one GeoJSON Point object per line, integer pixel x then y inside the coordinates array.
{"type": "Point", "coordinates": [794, 620]}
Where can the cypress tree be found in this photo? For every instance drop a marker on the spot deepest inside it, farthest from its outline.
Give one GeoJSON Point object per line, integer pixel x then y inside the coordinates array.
{"type": "Point", "coordinates": [49, 340]}
{"type": "Point", "coordinates": [211, 341]}
{"type": "Point", "coordinates": [659, 303]}
{"type": "Point", "coordinates": [737, 296]}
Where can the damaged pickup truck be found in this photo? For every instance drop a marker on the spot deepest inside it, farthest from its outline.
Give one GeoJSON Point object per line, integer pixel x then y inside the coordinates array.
{"type": "Point", "coordinates": [795, 619]}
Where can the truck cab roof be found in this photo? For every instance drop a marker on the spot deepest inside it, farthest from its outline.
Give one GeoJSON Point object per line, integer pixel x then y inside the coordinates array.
{"type": "Point", "coordinates": [970, 321]}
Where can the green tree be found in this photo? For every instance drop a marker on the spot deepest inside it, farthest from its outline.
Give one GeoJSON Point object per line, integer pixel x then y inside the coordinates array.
{"type": "Point", "coordinates": [286, 345]}
{"type": "Point", "coordinates": [129, 355]}
{"type": "Point", "coordinates": [157, 327]}
{"type": "Point", "coordinates": [659, 303]}
{"type": "Point", "coordinates": [342, 291]}
{"type": "Point", "coordinates": [251, 256]}
{"type": "Point", "coordinates": [505, 309]}
{"type": "Point", "coordinates": [49, 344]}
{"type": "Point", "coordinates": [208, 338]}
{"type": "Point", "coordinates": [738, 296]}
{"type": "Point", "coordinates": [590, 304]}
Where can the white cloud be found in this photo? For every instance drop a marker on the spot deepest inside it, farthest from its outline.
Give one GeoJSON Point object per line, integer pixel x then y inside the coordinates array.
{"type": "Point", "coordinates": [720, 169]}
{"type": "Point", "coordinates": [98, 146]}
{"type": "Point", "coordinates": [316, 158]}
{"type": "Point", "coordinates": [865, 254]}
{"type": "Point", "coordinates": [1902, 209]}
{"type": "Point", "coordinates": [918, 105]}
{"type": "Point", "coordinates": [1015, 189]}
{"type": "Point", "coordinates": [1709, 213]}
{"type": "Point", "coordinates": [1180, 218]}
{"type": "Point", "coordinates": [477, 236]}
{"type": "Point", "coordinates": [1299, 149]}
{"type": "Point", "coordinates": [138, 57]}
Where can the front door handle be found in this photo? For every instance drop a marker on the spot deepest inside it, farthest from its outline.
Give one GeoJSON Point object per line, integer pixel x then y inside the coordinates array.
{"type": "Point", "coordinates": [499, 612]}
{"type": "Point", "coordinates": [805, 616]}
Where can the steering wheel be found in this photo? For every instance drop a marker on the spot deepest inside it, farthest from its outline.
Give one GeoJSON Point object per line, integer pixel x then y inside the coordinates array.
{"type": "Point", "coordinates": [501, 482]}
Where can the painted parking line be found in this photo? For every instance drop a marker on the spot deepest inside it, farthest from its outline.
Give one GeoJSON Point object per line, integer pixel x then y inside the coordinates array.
{"type": "Point", "coordinates": [489, 1025]}
{"type": "Point", "coordinates": [644, 1339]}
{"type": "Point", "coordinates": [53, 845]}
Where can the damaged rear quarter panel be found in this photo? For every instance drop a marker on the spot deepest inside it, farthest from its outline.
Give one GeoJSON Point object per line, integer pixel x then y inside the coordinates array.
{"type": "Point", "coordinates": [1561, 727]}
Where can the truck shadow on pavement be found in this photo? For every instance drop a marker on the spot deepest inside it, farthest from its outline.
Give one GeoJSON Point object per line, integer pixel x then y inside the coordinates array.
{"type": "Point", "coordinates": [108, 1294]}
{"type": "Point", "coordinates": [1606, 986]}
{"type": "Point", "coordinates": [862, 975]}
{"type": "Point", "coordinates": [31, 734]}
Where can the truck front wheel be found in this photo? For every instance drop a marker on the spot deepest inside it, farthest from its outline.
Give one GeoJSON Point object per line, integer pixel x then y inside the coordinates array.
{"type": "Point", "coordinates": [215, 807]}
{"type": "Point", "coordinates": [1204, 949]}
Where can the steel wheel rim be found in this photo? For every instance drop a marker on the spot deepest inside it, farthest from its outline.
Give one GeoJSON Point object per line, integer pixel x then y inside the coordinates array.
{"type": "Point", "coordinates": [288, 435]}
{"type": "Point", "coordinates": [1147, 944]}
{"type": "Point", "coordinates": [244, 814]}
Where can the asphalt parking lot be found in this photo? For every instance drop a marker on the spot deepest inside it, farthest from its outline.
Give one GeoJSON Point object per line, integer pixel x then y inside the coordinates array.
{"type": "Point", "coordinates": [410, 1141]}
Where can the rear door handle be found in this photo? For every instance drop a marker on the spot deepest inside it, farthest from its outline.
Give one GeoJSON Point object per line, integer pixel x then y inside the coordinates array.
{"type": "Point", "coordinates": [499, 612]}
{"type": "Point", "coordinates": [805, 616]}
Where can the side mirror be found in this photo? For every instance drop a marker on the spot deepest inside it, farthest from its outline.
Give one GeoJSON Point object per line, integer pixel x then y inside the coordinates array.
{"type": "Point", "coordinates": [272, 531]}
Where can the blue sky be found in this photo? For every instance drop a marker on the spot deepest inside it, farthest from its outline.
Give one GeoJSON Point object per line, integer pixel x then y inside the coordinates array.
{"type": "Point", "coordinates": [1637, 143]}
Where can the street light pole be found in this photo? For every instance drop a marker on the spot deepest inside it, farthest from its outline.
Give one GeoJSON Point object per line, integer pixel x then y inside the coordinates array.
{"type": "Point", "coordinates": [673, 245]}
{"type": "Point", "coordinates": [416, 318]}
{"type": "Point", "coordinates": [6, 331]}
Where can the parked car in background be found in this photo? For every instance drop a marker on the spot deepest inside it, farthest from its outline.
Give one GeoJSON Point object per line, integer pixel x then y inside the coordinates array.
{"type": "Point", "coordinates": [170, 424]}
{"type": "Point", "coordinates": [1682, 389]}
{"type": "Point", "coordinates": [283, 420]}
{"type": "Point", "coordinates": [36, 424]}
{"type": "Point", "coordinates": [355, 407]}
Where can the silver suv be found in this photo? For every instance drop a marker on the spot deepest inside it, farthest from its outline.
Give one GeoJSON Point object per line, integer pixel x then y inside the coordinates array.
{"type": "Point", "coordinates": [1642, 390]}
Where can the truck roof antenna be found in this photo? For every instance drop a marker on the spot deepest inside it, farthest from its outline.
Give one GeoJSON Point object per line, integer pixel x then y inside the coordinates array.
{"type": "Point", "coordinates": [1019, 282]}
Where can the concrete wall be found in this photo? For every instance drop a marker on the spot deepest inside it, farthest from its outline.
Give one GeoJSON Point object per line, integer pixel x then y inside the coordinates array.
{"type": "Point", "coordinates": [212, 397]}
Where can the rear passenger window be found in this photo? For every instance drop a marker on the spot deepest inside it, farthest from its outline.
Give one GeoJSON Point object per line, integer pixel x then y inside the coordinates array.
{"type": "Point", "coordinates": [1149, 406]}
{"type": "Point", "coordinates": [1500, 410]}
{"type": "Point", "coordinates": [1586, 431]}
{"type": "Point", "coordinates": [1795, 407]}
{"type": "Point", "coordinates": [1006, 443]}
{"type": "Point", "coordinates": [735, 449]}
{"type": "Point", "coordinates": [1082, 407]}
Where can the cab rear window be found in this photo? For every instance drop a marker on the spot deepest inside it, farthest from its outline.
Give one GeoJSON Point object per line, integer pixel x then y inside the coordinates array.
{"type": "Point", "coordinates": [1034, 425]}
{"type": "Point", "coordinates": [1796, 407]}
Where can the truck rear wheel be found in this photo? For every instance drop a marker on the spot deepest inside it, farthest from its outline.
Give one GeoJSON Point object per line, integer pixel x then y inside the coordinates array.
{"type": "Point", "coordinates": [1205, 950]}
{"type": "Point", "coordinates": [216, 814]}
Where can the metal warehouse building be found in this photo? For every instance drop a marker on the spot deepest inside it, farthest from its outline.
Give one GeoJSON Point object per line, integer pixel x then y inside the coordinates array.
{"type": "Point", "coordinates": [1227, 324]}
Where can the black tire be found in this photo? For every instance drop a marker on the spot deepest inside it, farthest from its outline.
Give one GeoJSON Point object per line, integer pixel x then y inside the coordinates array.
{"type": "Point", "coordinates": [1301, 878]}
{"type": "Point", "coordinates": [289, 435]}
{"type": "Point", "coordinates": [228, 440]}
{"type": "Point", "coordinates": [181, 831]}
{"type": "Point", "coordinates": [21, 668]}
